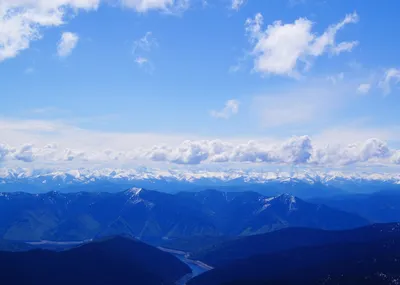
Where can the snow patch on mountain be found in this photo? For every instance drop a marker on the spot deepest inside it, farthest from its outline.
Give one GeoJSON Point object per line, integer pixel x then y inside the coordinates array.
{"type": "Point", "coordinates": [205, 178]}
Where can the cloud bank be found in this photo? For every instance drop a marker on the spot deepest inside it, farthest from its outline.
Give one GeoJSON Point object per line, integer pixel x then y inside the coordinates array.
{"type": "Point", "coordinates": [295, 151]}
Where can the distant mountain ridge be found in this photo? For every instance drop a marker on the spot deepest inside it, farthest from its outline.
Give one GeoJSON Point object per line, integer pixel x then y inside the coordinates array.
{"type": "Point", "coordinates": [379, 207]}
{"type": "Point", "coordinates": [152, 215]}
{"type": "Point", "coordinates": [304, 184]}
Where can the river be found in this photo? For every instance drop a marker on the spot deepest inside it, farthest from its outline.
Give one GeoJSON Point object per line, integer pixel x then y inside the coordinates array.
{"type": "Point", "coordinates": [196, 269]}
{"type": "Point", "coordinates": [196, 266]}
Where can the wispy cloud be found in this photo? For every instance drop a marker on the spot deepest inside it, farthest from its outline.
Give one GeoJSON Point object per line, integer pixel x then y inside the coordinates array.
{"type": "Point", "coordinates": [141, 50]}
{"type": "Point", "coordinates": [169, 6]}
{"type": "Point", "coordinates": [390, 79]}
{"type": "Point", "coordinates": [336, 78]}
{"type": "Point", "coordinates": [237, 4]}
{"type": "Point", "coordinates": [231, 108]}
{"type": "Point", "coordinates": [364, 88]}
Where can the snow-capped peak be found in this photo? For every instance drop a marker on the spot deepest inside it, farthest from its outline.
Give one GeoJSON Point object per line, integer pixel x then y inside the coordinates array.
{"type": "Point", "coordinates": [51, 179]}
{"type": "Point", "coordinates": [135, 191]}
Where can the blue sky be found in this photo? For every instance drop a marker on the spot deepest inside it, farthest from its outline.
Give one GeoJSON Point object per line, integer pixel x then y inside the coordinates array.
{"type": "Point", "coordinates": [138, 78]}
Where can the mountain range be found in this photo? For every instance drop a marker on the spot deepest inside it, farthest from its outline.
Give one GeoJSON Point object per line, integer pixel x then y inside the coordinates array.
{"type": "Point", "coordinates": [245, 238]}
{"type": "Point", "coordinates": [379, 207]}
{"type": "Point", "coordinates": [155, 216]}
{"type": "Point", "coordinates": [303, 184]}
{"type": "Point", "coordinates": [365, 256]}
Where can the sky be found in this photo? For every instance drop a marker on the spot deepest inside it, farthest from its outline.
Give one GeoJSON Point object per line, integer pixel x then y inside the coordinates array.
{"type": "Point", "coordinates": [110, 83]}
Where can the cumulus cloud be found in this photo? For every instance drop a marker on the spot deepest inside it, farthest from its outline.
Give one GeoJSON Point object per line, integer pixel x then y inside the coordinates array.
{"type": "Point", "coordinates": [231, 108]}
{"type": "Point", "coordinates": [67, 44]}
{"type": "Point", "coordinates": [281, 48]}
{"type": "Point", "coordinates": [21, 21]}
{"type": "Point", "coordinates": [237, 4]}
{"type": "Point", "coordinates": [298, 150]}
{"type": "Point", "coordinates": [4, 151]}
{"type": "Point", "coordinates": [364, 88]}
{"type": "Point", "coordinates": [396, 157]}
{"type": "Point", "coordinates": [70, 155]}
{"type": "Point", "coordinates": [25, 153]}
{"type": "Point", "coordinates": [75, 147]}
{"type": "Point", "coordinates": [391, 78]}
{"type": "Point", "coordinates": [372, 150]}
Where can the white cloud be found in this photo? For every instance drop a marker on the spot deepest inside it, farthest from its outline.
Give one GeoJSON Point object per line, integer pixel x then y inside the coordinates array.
{"type": "Point", "coordinates": [296, 150]}
{"type": "Point", "coordinates": [21, 21]}
{"type": "Point", "coordinates": [141, 48]}
{"type": "Point", "coordinates": [391, 78]}
{"type": "Point", "coordinates": [281, 48]}
{"type": "Point", "coordinates": [25, 153]}
{"type": "Point", "coordinates": [144, 44]}
{"type": "Point", "coordinates": [67, 44]}
{"type": "Point", "coordinates": [344, 46]}
{"type": "Point", "coordinates": [336, 78]}
{"type": "Point", "coordinates": [364, 88]}
{"type": "Point", "coordinates": [372, 150]}
{"type": "Point", "coordinates": [326, 41]}
{"type": "Point", "coordinates": [231, 108]}
{"type": "Point", "coordinates": [396, 157]}
{"type": "Point", "coordinates": [4, 151]}
{"type": "Point", "coordinates": [237, 4]}
{"type": "Point", "coordinates": [141, 60]}
{"type": "Point", "coordinates": [40, 143]}
{"type": "Point", "coordinates": [163, 5]}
